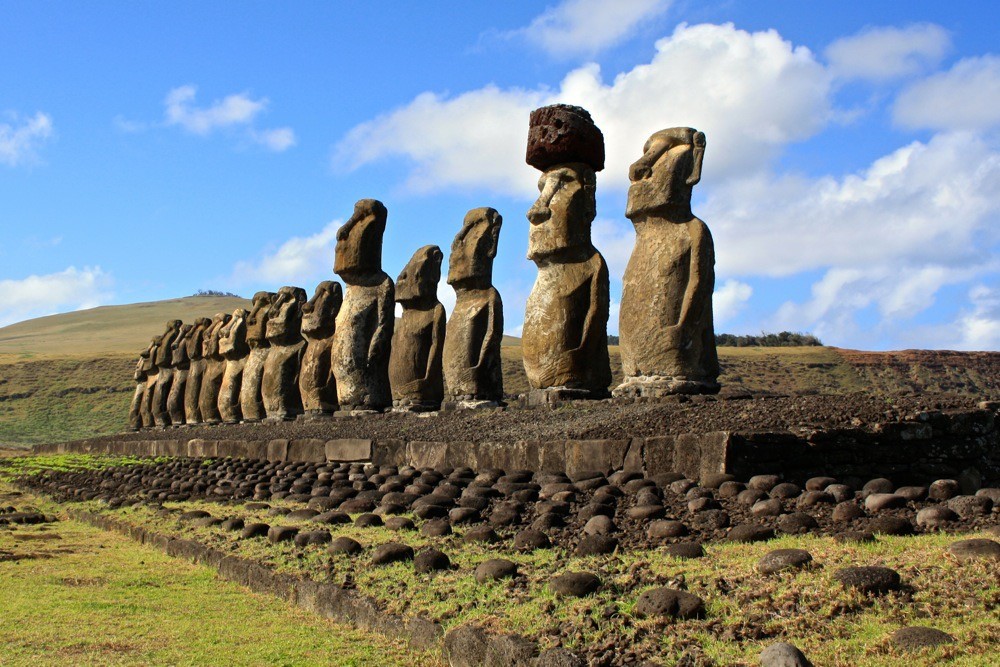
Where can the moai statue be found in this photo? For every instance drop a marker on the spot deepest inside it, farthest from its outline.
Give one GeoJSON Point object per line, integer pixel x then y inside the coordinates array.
{"type": "Point", "coordinates": [235, 350]}
{"type": "Point", "coordinates": [195, 345]}
{"type": "Point", "coordinates": [215, 368]}
{"type": "Point", "coordinates": [667, 334]}
{"type": "Point", "coordinates": [165, 377]}
{"type": "Point", "coordinates": [135, 409]}
{"type": "Point", "coordinates": [415, 361]}
{"type": "Point", "coordinates": [151, 370]}
{"type": "Point", "coordinates": [251, 400]}
{"type": "Point", "coordinates": [280, 384]}
{"type": "Point", "coordinates": [182, 368]}
{"type": "Point", "coordinates": [363, 336]}
{"type": "Point", "coordinates": [472, 368]}
{"type": "Point", "coordinates": [317, 385]}
{"type": "Point", "coordinates": [565, 337]}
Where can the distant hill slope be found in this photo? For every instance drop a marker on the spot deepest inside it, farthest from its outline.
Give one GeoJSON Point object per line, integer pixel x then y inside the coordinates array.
{"type": "Point", "coordinates": [108, 330]}
{"type": "Point", "coordinates": [70, 376]}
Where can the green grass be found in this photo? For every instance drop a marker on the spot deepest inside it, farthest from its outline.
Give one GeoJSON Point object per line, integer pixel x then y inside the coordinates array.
{"type": "Point", "coordinates": [15, 467]}
{"type": "Point", "coordinates": [71, 594]}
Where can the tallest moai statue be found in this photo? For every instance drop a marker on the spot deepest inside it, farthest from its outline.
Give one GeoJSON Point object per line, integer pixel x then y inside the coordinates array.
{"type": "Point", "coordinates": [565, 337]}
{"type": "Point", "coordinates": [667, 335]}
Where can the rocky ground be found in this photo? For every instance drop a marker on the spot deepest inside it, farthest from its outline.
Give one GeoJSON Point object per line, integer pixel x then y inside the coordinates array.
{"type": "Point", "coordinates": [621, 525]}
{"type": "Point", "coordinates": [612, 419]}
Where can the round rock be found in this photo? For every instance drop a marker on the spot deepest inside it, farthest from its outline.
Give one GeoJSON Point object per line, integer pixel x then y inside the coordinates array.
{"type": "Point", "coordinates": [431, 560]}
{"type": "Point", "coordinates": [872, 579]}
{"type": "Point", "coordinates": [529, 540]}
{"type": "Point", "coordinates": [392, 552]}
{"type": "Point", "coordinates": [669, 603]}
{"type": "Point", "coordinates": [783, 559]}
{"type": "Point", "coordinates": [935, 516]}
{"type": "Point", "coordinates": [495, 568]}
{"type": "Point", "coordinates": [344, 545]}
{"type": "Point", "coordinates": [975, 548]}
{"type": "Point", "coordinates": [574, 584]}
{"type": "Point", "coordinates": [685, 550]}
{"type": "Point", "coordinates": [783, 654]}
{"type": "Point", "coordinates": [664, 529]}
{"type": "Point", "coordinates": [592, 545]}
{"type": "Point", "coordinates": [749, 532]}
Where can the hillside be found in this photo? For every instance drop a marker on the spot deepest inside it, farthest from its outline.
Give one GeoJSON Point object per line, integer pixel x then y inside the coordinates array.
{"type": "Point", "coordinates": [70, 376]}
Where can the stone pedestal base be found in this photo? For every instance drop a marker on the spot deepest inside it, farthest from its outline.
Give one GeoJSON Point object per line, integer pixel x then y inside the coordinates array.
{"type": "Point", "coordinates": [314, 416]}
{"type": "Point", "coordinates": [356, 412]}
{"type": "Point", "coordinates": [278, 420]}
{"type": "Point", "coordinates": [658, 386]}
{"type": "Point", "coordinates": [471, 404]}
{"type": "Point", "coordinates": [411, 407]}
{"type": "Point", "coordinates": [551, 395]}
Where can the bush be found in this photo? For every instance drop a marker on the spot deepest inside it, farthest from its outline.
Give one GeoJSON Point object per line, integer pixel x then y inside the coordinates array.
{"type": "Point", "coordinates": [212, 292]}
{"type": "Point", "coordinates": [783, 339]}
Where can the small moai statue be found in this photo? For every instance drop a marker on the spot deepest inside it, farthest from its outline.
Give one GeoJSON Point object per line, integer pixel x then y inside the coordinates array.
{"type": "Point", "coordinates": [251, 399]}
{"type": "Point", "coordinates": [565, 336]}
{"type": "Point", "coordinates": [667, 334]}
{"type": "Point", "coordinates": [317, 386]}
{"type": "Point", "coordinates": [165, 376]}
{"type": "Point", "coordinates": [415, 362]}
{"type": "Point", "coordinates": [215, 368]}
{"type": "Point", "coordinates": [135, 409]}
{"type": "Point", "coordinates": [473, 372]}
{"type": "Point", "coordinates": [182, 368]}
{"type": "Point", "coordinates": [280, 384]}
{"type": "Point", "coordinates": [146, 410]}
{"type": "Point", "coordinates": [234, 348]}
{"type": "Point", "coordinates": [363, 337]}
{"type": "Point", "coordinates": [196, 369]}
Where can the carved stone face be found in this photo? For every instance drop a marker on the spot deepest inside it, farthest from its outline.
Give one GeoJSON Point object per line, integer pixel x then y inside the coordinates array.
{"type": "Point", "coordinates": [257, 319]}
{"type": "Point", "coordinates": [233, 336]}
{"type": "Point", "coordinates": [319, 314]}
{"type": "Point", "coordinates": [178, 349]}
{"type": "Point", "coordinates": [359, 242]}
{"type": "Point", "coordinates": [210, 343]}
{"type": "Point", "coordinates": [149, 354]}
{"type": "Point", "coordinates": [196, 338]}
{"type": "Point", "coordinates": [669, 168]}
{"type": "Point", "coordinates": [163, 351]}
{"type": "Point", "coordinates": [284, 320]}
{"type": "Point", "coordinates": [473, 250]}
{"type": "Point", "coordinates": [561, 216]}
{"type": "Point", "coordinates": [418, 281]}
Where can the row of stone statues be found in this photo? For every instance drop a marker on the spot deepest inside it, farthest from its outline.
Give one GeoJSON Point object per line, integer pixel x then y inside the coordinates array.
{"type": "Point", "coordinates": [344, 350]}
{"type": "Point", "coordinates": [341, 349]}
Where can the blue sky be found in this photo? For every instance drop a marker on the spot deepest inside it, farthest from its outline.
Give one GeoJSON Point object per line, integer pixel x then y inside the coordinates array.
{"type": "Point", "coordinates": [851, 179]}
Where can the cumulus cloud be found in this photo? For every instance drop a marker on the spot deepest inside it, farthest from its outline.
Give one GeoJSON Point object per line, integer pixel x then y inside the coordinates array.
{"type": "Point", "coordinates": [585, 27]}
{"type": "Point", "coordinates": [979, 327]}
{"type": "Point", "coordinates": [885, 53]}
{"type": "Point", "coordinates": [753, 93]}
{"type": "Point", "coordinates": [233, 111]}
{"type": "Point", "coordinates": [729, 300]}
{"type": "Point", "coordinates": [615, 239]}
{"type": "Point", "coordinates": [40, 295]}
{"type": "Point", "coordinates": [298, 261]}
{"type": "Point", "coordinates": [965, 97]}
{"type": "Point", "coordinates": [20, 139]}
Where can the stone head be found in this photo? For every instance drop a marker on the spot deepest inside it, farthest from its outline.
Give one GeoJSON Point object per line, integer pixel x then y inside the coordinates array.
{"type": "Point", "coordinates": [178, 349]}
{"type": "Point", "coordinates": [319, 314]}
{"type": "Point", "coordinates": [662, 179]}
{"type": "Point", "coordinates": [284, 320]}
{"type": "Point", "coordinates": [154, 347]}
{"type": "Point", "coordinates": [146, 357]}
{"type": "Point", "coordinates": [163, 351]}
{"type": "Point", "coordinates": [257, 319]}
{"type": "Point", "coordinates": [561, 216]}
{"type": "Point", "coordinates": [417, 282]}
{"type": "Point", "coordinates": [474, 248]}
{"type": "Point", "coordinates": [196, 338]}
{"type": "Point", "coordinates": [233, 336]}
{"type": "Point", "coordinates": [359, 242]}
{"type": "Point", "coordinates": [210, 343]}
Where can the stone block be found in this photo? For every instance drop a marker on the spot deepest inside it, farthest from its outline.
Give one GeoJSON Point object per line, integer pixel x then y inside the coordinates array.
{"type": "Point", "coordinates": [427, 454]}
{"type": "Point", "coordinates": [698, 455]}
{"type": "Point", "coordinates": [389, 452]}
{"type": "Point", "coordinates": [606, 455]}
{"type": "Point", "coordinates": [634, 455]}
{"type": "Point", "coordinates": [306, 450]}
{"type": "Point", "coordinates": [658, 454]}
{"type": "Point", "coordinates": [277, 450]}
{"type": "Point", "coordinates": [552, 455]}
{"type": "Point", "coordinates": [348, 449]}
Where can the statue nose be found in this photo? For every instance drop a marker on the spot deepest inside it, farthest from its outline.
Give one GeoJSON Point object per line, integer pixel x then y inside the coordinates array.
{"type": "Point", "coordinates": [637, 172]}
{"type": "Point", "coordinates": [539, 214]}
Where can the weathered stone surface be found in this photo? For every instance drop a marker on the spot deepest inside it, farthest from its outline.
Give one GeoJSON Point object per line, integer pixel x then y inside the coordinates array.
{"type": "Point", "coordinates": [392, 552]}
{"type": "Point", "coordinates": [234, 348]}
{"type": "Point", "coordinates": [415, 362]}
{"type": "Point", "coordinates": [344, 545]}
{"type": "Point", "coordinates": [914, 638]}
{"type": "Point", "coordinates": [251, 399]}
{"type": "Point", "coordinates": [165, 376]}
{"type": "Point", "coordinates": [667, 335]}
{"type": "Point", "coordinates": [564, 340]}
{"type": "Point", "coordinates": [182, 367]}
{"type": "Point", "coordinates": [431, 560]}
{"type": "Point", "coordinates": [317, 386]}
{"type": "Point", "coordinates": [975, 548]}
{"type": "Point", "coordinates": [667, 602]}
{"type": "Point", "coordinates": [783, 559]}
{"type": "Point", "coordinates": [872, 579]}
{"type": "Point", "coordinates": [561, 133]}
{"type": "Point", "coordinates": [361, 342]}
{"type": "Point", "coordinates": [280, 383]}
{"type": "Point", "coordinates": [150, 372]}
{"type": "Point", "coordinates": [495, 568]}
{"type": "Point", "coordinates": [139, 375]}
{"type": "Point", "coordinates": [214, 370]}
{"type": "Point", "coordinates": [783, 654]}
{"type": "Point", "coordinates": [574, 584]}
{"type": "Point", "coordinates": [935, 516]}
{"type": "Point", "coordinates": [472, 365]}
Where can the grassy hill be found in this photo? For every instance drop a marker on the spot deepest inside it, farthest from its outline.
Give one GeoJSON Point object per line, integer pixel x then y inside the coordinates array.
{"type": "Point", "coordinates": [70, 376]}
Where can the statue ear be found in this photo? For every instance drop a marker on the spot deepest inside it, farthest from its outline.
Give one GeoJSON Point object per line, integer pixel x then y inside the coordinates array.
{"type": "Point", "coordinates": [697, 156]}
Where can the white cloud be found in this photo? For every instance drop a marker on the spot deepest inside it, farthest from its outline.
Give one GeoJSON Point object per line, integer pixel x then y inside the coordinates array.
{"type": "Point", "coordinates": [575, 27]}
{"type": "Point", "coordinates": [20, 139]}
{"type": "Point", "coordinates": [882, 54]}
{"type": "Point", "coordinates": [752, 93]}
{"type": "Point", "coordinates": [730, 299]}
{"type": "Point", "coordinates": [965, 97]}
{"type": "Point", "coordinates": [615, 240]}
{"type": "Point", "coordinates": [301, 260]}
{"type": "Point", "coordinates": [233, 111]}
{"type": "Point", "coordinates": [978, 328]}
{"type": "Point", "coordinates": [37, 296]}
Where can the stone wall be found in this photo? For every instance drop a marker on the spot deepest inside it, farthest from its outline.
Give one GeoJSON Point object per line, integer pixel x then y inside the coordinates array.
{"type": "Point", "coordinates": [939, 445]}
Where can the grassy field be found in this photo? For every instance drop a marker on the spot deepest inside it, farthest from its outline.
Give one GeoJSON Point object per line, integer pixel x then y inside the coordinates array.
{"type": "Point", "coordinates": [77, 595]}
